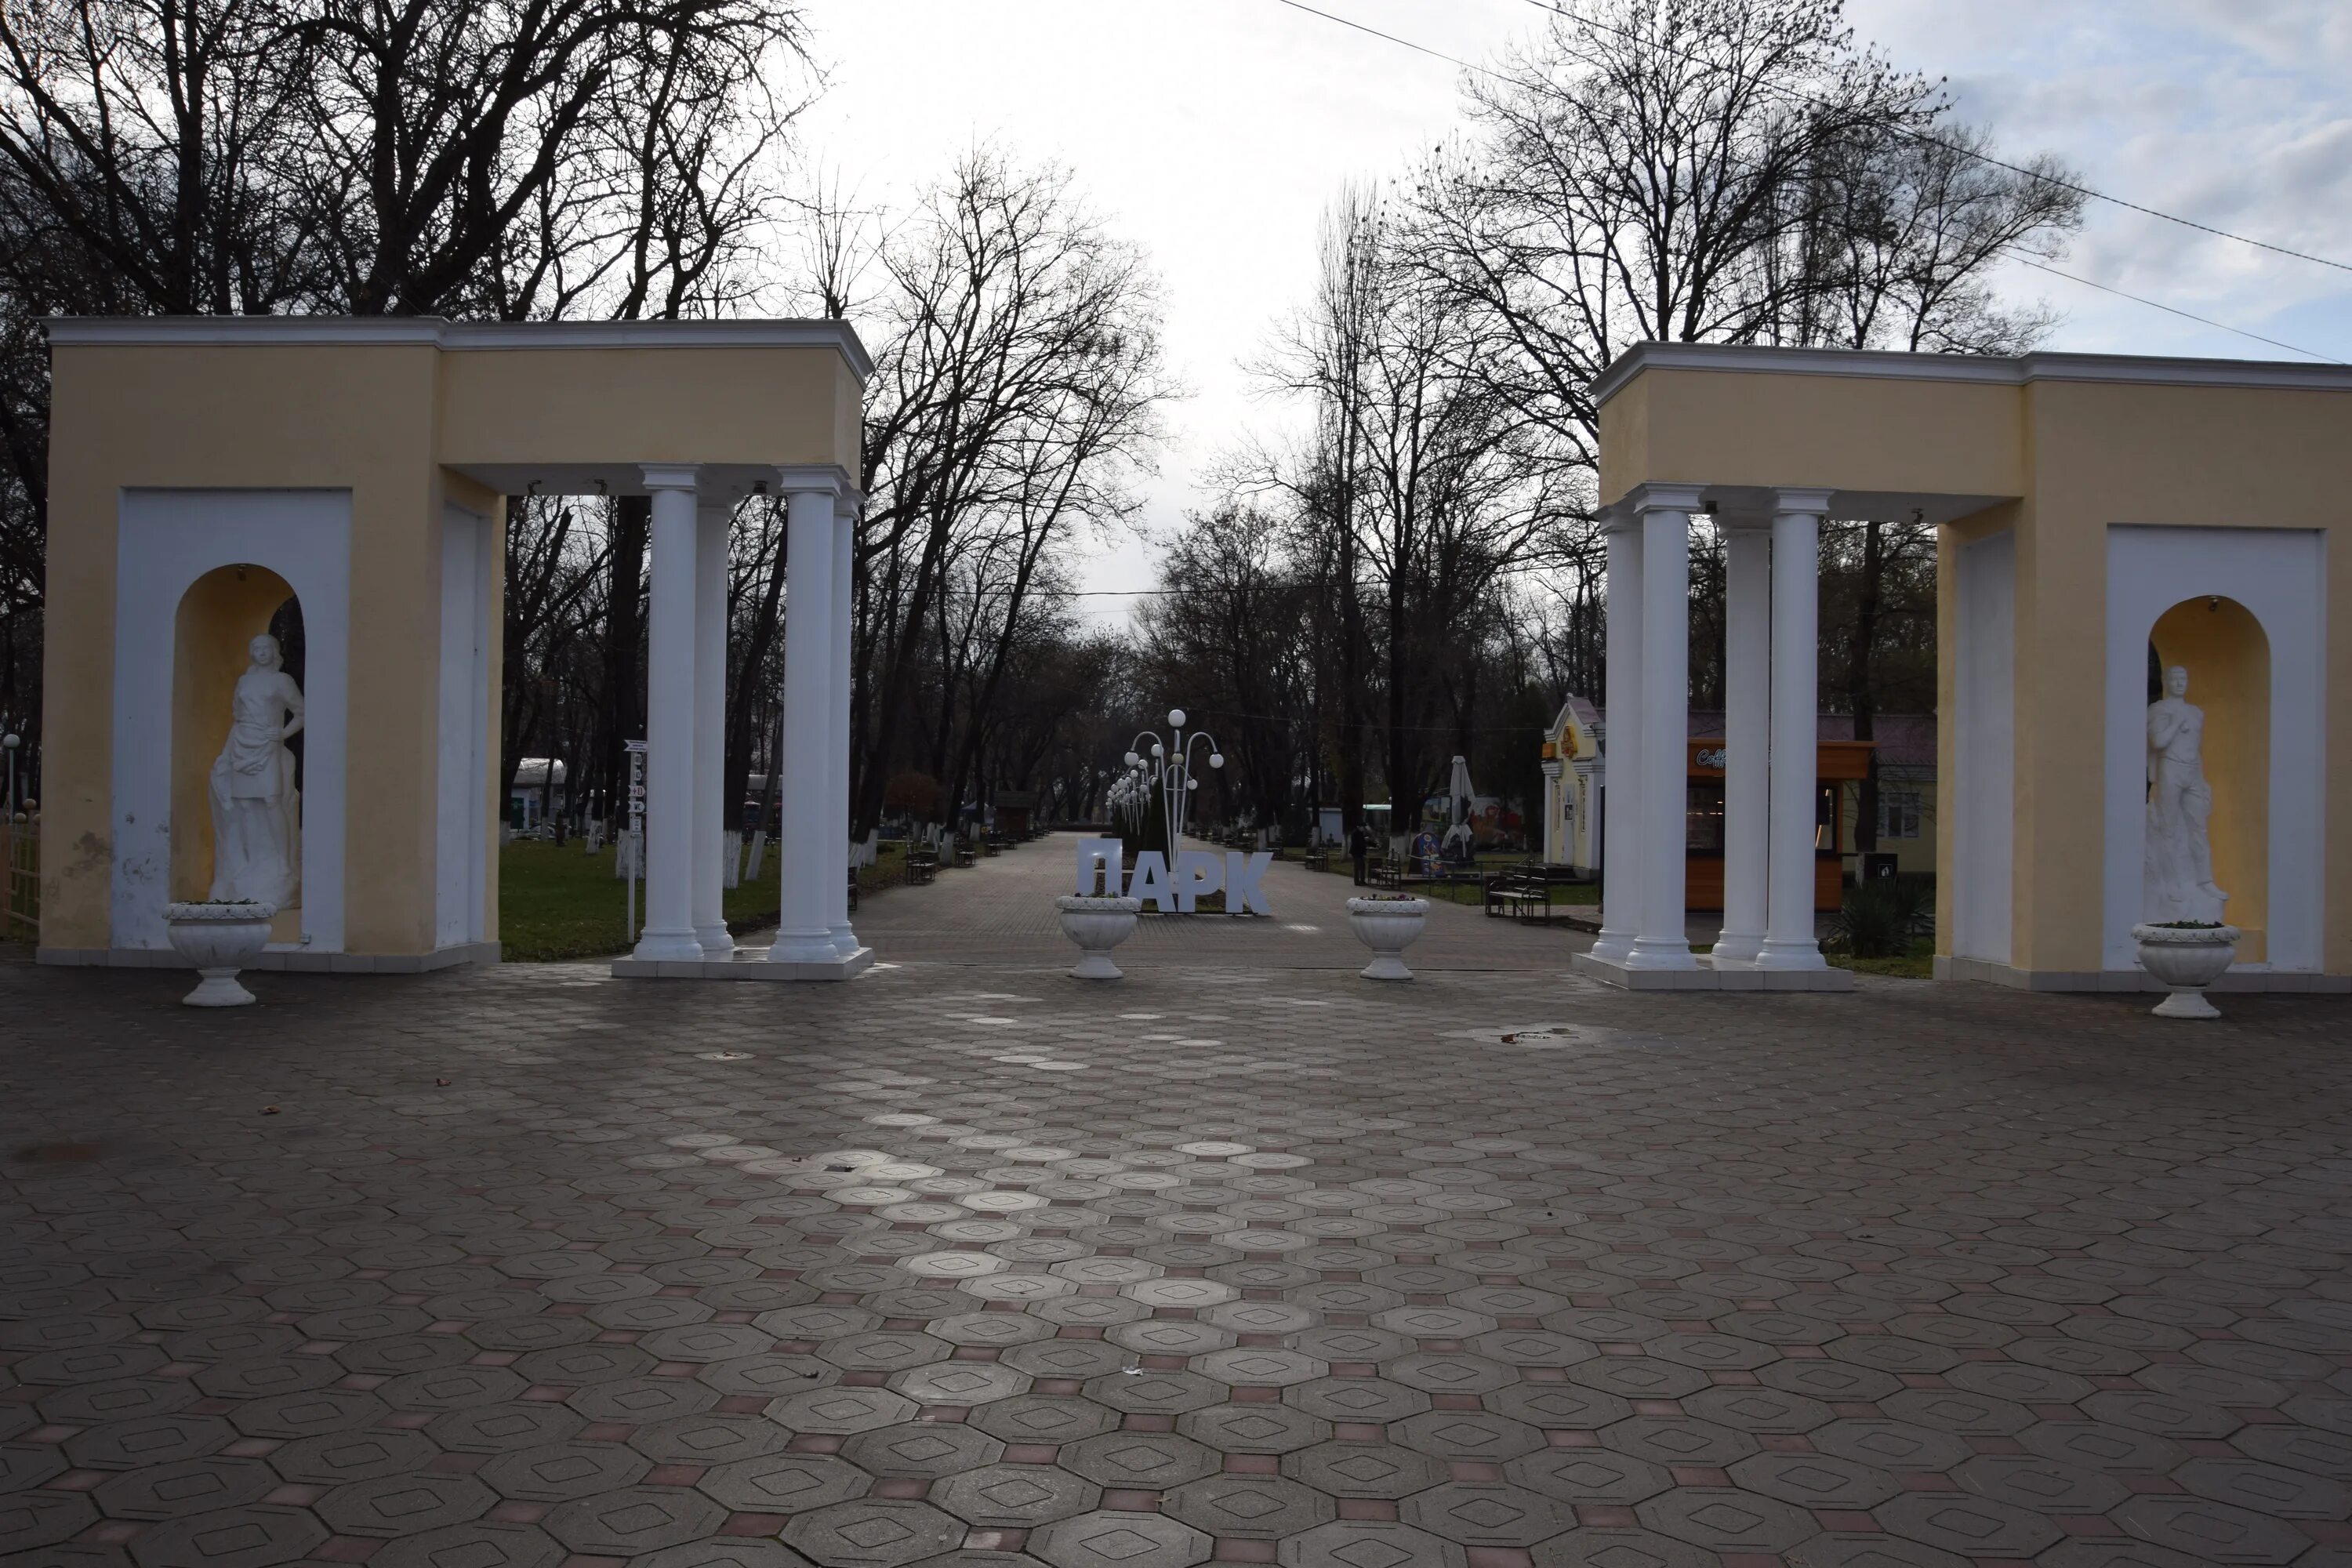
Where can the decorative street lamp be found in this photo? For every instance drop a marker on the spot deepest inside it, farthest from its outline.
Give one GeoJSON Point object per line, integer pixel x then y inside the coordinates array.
{"type": "Point", "coordinates": [12, 741]}
{"type": "Point", "coordinates": [1168, 765]}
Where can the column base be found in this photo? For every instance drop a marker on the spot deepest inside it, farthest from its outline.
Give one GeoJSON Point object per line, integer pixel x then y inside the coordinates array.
{"type": "Point", "coordinates": [1709, 976]}
{"type": "Point", "coordinates": [1734, 948]}
{"type": "Point", "coordinates": [1612, 942]}
{"type": "Point", "coordinates": [716, 941]}
{"type": "Point", "coordinates": [746, 963]}
{"type": "Point", "coordinates": [845, 941]}
{"type": "Point", "coordinates": [1805, 954]}
{"type": "Point", "coordinates": [1671, 953]}
{"type": "Point", "coordinates": [666, 947]}
{"type": "Point", "coordinates": [804, 947]}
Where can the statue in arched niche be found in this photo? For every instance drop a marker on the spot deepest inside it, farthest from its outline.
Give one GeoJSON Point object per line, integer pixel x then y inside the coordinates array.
{"type": "Point", "coordinates": [256, 811]}
{"type": "Point", "coordinates": [2177, 882]}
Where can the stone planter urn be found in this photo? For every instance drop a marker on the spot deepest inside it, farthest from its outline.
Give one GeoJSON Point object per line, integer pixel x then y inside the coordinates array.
{"type": "Point", "coordinates": [1387, 926]}
{"type": "Point", "coordinates": [1096, 925]}
{"type": "Point", "coordinates": [2188, 958]}
{"type": "Point", "coordinates": [219, 939]}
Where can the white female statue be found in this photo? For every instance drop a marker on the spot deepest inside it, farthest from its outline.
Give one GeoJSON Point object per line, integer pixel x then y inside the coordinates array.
{"type": "Point", "coordinates": [2178, 883]}
{"type": "Point", "coordinates": [256, 812]}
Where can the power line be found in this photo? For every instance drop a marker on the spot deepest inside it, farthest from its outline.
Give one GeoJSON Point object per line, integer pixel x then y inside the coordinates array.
{"type": "Point", "coordinates": [1552, 8]}
{"type": "Point", "coordinates": [2119, 201]}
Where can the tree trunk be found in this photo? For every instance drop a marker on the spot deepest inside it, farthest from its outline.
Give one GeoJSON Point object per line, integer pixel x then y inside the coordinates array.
{"type": "Point", "coordinates": [1861, 696]}
{"type": "Point", "coordinates": [624, 635]}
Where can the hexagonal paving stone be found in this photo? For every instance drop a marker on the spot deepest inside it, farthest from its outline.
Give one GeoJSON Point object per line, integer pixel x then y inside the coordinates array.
{"type": "Point", "coordinates": [91, 1404]}
{"type": "Point", "coordinates": [1468, 1434]}
{"type": "Point", "coordinates": [305, 1414]}
{"type": "Point", "coordinates": [1670, 1441]}
{"type": "Point", "coordinates": [2043, 1485]}
{"type": "Point", "coordinates": [872, 1533]}
{"type": "Point", "coordinates": [1015, 1495]}
{"type": "Point", "coordinates": [1637, 1377]}
{"type": "Point", "coordinates": [726, 1551]}
{"type": "Point", "coordinates": [1110, 1540]}
{"type": "Point", "coordinates": [32, 1519]}
{"type": "Point", "coordinates": [841, 1410]}
{"type": "Point", "coordinates": [964, 1383]}
{"type": "Point", "coordinates": [1971, 1526]}
{"type": "Point", "coordinates": [927, 1449]}
{"type": "Point", "coordinates": [1558, 1406]}
{"type": "Point", "coordinates": [2271, 1490]}
{"type": "Point", "coordinates": [1958, 1412]}
{"type": "Point", "coordinates": [1363, 1469]}
{"type": "Point", "coordinates": [1589, 1476]}
{"type": "Point", "coordinates": [1890, 1444]}
{"type": "Point", "coordinates": [186, 1487]}
{"type": "Point", "coordinates": [2298, 1448]}
{"type": "Point", "coordinates": [1170, 1336]}
{"type": "Point", "coordinates": [1370, 1543]}
{"type": "Point", "coordinates": [405, 1504]}
{"type": "Point", "coordinates": [1356, 1399]}
{"type": "Point", "coordinates": [1249, 1508]}
{"type": "Point", "coordinates": [500, 1428]}
{"type": "Point", "coordinates": [708, 1437]}
{"type": "Point", "coordinates": [1485, 1515]}
{"type": "Point", "coordinates": [2100, 1447]}
{"type": "Point", "coordinates": [484, 1543]}
{"type": "Point", "coordinates": [785, 1483]}
{"type": "Point", "coordinates": [1720, 1519]}
{"type": "Point", "coordinates": [1140, 1460]}
{"type": "Point", "coordinates": [1156, 1393]}
{"type": "Point", "coordinates": [249, 1537]}
{"type": "Point", "coordinates": [1255, 1428]}
{"type": "Point", "coordinates": [2211, 1531]}
{"type": "Point", "coordinates": [1253, 1366]}
{"type": "Point", "coordinates": [705, 1342]}
{"type": "Point", "coordinates": [1040, 1419]}
{"type": "Point", "coordinates": [147, 1440]}
{"type": "Point", "coordinates": [634, 1519]}
{"type": "Point", "coordinates": [1758, 1409]}
{"type": "Point", "coordinates": [558, 1472]}
{"type": "Point", "coordinates": [1814, 1481]}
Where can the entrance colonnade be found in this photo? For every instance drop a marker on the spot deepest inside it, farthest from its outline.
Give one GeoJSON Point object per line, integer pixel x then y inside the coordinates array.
{"type": "Point", "coordinates": [1771, 548]}
{"type": "Point", "coordinates": [685, 933]}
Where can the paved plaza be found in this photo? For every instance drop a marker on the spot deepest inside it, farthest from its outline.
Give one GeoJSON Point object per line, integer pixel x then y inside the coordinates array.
{"type": "Point", "coordinates": [1243, 1259]}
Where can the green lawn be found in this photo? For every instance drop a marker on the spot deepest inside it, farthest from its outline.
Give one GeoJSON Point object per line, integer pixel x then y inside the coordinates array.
{"type": "Point", "coordinates": [560, 903]}
{"type": "Point", "coordinates": [1918, 963]}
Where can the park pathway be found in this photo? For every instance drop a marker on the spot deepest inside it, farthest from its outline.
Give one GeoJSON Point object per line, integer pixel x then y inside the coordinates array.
{"type": "Point", "coordinates": [1001, 911]}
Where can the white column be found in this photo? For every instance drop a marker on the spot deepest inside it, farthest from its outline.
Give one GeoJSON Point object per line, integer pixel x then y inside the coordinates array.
{"type": "Point", "coordinates": [804, 933]}
{"type": "Point", "coordinates": [710, 525]}
{"type": "Point", "coordinates": [1555, 837]}
{"type": "Point", "coordinates": [1747, 736]}
{"type": "Point", "coordinates": [837, 737]}
{"type": "Point", "coordinates": [1796, 609]}
{"type": "Point", "coordinates": [1665, 513]}
{"type": "Point", "coordinates": [1621, 738]}
{"type": "Point", "coordinates": [668, 934]}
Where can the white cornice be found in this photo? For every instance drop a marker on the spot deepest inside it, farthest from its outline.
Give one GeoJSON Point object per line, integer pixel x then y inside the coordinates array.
{"type": "Point", "coordinates": [1870, 363]}
{"type": "Point", "coordinates": [455, 336]}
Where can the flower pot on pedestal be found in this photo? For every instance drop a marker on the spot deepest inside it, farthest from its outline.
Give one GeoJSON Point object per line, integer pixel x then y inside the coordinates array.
{"type": "Point", "coordinates": [1387, 926]}
{"type": "Point", "coordinates": [219, 939]}
{"type": "Point", "coordinates": [2188, 958]}
{"type": "Point", "coordinates": [1096, 925]}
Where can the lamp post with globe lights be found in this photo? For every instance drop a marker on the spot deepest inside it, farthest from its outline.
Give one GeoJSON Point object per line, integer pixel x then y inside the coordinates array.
{"type": "Point", "coordinates": [1168, 764]}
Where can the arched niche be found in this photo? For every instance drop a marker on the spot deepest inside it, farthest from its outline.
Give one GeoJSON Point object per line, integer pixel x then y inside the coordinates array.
{"type": "Point", "coordinates": [2222, 646]}
{"type": "Point", "coordinates": [218, 617]}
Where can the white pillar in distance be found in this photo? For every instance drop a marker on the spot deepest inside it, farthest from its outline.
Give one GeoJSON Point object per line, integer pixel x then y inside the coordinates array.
{"type": "Point", "coordinates": [1796, 611]}
{"type": "Point", "coordinates": [712, 516]}
{"type": "Point", "coordinates": [809, 844]}
{"type": "Point", "coordinates": [1665, 511]}
{"type": "Point", "coordinates": [1748, 736]}
{"type": "Point", "coordinates": [1620, 737]}
{"type": "Point", "coordinates": [668, 935]}
{"type": "Point", "coordinates": [844, 546]}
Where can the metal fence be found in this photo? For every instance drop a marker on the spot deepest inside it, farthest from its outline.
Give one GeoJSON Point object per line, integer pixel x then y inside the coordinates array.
{"type": "Point", "coordinates": [20, 899]}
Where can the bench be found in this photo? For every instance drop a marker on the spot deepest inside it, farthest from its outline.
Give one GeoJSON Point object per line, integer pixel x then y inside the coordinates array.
{"type": "Point", "coordinates": [1522, 894]}
{"type": "Point", "coordinates": [922, 865]}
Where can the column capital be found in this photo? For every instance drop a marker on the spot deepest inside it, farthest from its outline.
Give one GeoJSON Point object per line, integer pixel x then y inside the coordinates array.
{"type": "Point", "coordinates": [1642, 498]}
{"type": "Point", "coordinates": [824, 478]}
{"type": "Point", "coordinates": [1786, 502]}
{"type": "Point", "coordinates": [670, 476]}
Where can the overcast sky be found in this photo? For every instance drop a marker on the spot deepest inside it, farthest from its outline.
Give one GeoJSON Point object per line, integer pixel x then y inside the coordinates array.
{"type": "Point", "coordinates": [1211, 131]}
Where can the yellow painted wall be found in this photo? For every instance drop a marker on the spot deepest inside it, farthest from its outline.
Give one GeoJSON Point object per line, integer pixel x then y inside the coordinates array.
{"type": "Point", "coordinates": [2079, 455]}
{"type": "Point", "coordinates": [2221, 646]}
{"type": "Point", "coordinates": [385, 422]}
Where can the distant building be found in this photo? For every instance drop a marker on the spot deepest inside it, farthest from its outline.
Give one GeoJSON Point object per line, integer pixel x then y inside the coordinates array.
{"type": "Point", "coordinates": [1576, 796]}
